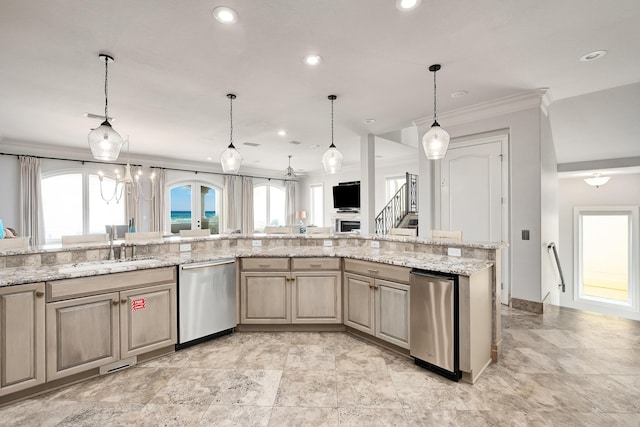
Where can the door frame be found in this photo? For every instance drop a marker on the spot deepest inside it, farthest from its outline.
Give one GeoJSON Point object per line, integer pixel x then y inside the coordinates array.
{"type": "Point", "coordinates": [469, 141]}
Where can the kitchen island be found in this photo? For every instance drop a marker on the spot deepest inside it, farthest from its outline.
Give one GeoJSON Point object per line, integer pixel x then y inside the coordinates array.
{"type": "Point", "coordinates": [53, 264]}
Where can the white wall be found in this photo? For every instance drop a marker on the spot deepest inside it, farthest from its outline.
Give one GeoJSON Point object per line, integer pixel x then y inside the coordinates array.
{"type": "Point", "coordinates": [10, 192]}
{"type": "Point", "coordinates": [620, 190]}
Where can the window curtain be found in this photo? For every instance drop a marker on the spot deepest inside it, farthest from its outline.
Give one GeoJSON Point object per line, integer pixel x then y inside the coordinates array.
{"type": "Point", "coordinates": [232, 198]}
{"type": "Point", "coordinates": [290, 202]}
{"type": "Point", "coordinates": [157, 206]}
{"type": "Point", "coordinates": [247, 205]}
{"type": "Point", "coordinates": [31, 215]}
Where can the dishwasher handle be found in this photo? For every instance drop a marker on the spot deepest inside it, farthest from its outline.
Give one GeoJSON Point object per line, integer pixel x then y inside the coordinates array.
{"type": "Point", "coordinates": [207, 264]}
{"type": "Point", "coordinates": [436, 274]}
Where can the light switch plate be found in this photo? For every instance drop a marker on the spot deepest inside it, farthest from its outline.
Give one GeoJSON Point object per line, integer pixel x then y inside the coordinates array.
{"type": "Point", "coordinates": [454, 251]}
{"type": "Point", "coordinates": [256, 243]}
{"type": "Point", "coordinates": [328, 243]}
{"type": "Point", "coordinates": [375, 244]}
{"type": "Point", "coordinates": [185, 247]}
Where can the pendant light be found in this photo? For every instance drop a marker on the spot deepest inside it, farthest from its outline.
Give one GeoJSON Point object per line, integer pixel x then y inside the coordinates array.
{"type": "Point", "coordinates": [230, 159]}
{"type": "Point", "coordinates": [288, 172]}
{"type": "Point", "coordinates": [436, 140]}
{"type": "Point", "coordinates": [104, 141]}
{"type": "Point", "coordinates": [332, 158]}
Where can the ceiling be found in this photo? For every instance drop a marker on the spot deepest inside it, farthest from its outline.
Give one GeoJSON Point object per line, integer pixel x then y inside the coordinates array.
{"type": "Point", "coordinates": [174, 64]}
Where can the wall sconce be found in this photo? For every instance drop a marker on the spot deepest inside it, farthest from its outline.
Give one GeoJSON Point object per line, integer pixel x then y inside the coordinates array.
{"type": "Point", "coordinates": [597, 180]}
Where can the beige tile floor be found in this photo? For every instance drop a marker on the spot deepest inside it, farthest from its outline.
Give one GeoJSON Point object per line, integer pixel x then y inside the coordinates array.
{"type": "Point", "coordinates": [563, 368]}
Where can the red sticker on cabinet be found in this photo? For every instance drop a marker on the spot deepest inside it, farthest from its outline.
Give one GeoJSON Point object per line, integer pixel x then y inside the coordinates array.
{"type": "Point", "coordinates": [137, 304]}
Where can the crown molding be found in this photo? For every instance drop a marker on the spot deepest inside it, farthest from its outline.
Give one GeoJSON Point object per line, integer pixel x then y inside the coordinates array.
{"type": "Point", "coordinates": [509, 104]}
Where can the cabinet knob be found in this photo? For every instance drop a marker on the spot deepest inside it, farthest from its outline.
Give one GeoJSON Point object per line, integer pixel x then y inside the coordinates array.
{"type": "Point", "coordinates": [39, 294]}
{"type": "Point", "coordinates": [116, 302]}
{"type": "Point", "coordinates": [123, 301]}
{"type": "Point", "coordinates": [370, 270]}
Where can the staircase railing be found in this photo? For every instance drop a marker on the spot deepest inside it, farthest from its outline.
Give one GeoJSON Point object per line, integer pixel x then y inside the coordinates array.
{"type": "Point", "coordinates": [403, 202]}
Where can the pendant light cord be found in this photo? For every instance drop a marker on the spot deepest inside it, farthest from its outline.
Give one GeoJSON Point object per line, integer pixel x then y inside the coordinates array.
{"type": "Point", "coordinates": [231, 120]}
{"type": "Point", "coordinates": [106, 89]}
{"type": "Point", "coordinates": [332, 122]}
{"type": "Point", "coordinates": [435, 115]}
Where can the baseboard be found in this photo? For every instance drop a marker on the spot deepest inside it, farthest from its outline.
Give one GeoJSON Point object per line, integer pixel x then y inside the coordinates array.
{"type": "Point", "coordinates": [526, 305]}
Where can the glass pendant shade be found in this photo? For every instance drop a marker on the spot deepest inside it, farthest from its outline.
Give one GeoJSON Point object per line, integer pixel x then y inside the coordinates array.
{"type": "Point", "coordinates": [332, 160]}
{"type": "Point", "coordinates": [105, 142]}
{"type": "Point", "coordinates": [230, 159]}
{"type": "Point", "coordinates": [435, 142]}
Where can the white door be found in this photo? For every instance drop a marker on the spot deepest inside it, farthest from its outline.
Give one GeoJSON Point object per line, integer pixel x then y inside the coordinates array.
{"type": "Point", "coordinates": [194, 205]}
{"type": "Point", "coordinates": [472, 190]}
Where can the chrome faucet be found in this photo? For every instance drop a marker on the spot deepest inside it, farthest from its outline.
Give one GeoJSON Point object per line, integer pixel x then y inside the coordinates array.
{"type": "Point", "coordinates": [123, 251]}
{"type": "Point", "coordinates": [111, 237]}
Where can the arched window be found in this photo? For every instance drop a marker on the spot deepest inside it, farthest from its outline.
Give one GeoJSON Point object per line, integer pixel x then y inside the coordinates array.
{"type": "Point", "coordinates": [72, 204]}
{"type": "Point", "coordinates": [194, 205]}
{"type": "Point", "coordinates": [268, 205]}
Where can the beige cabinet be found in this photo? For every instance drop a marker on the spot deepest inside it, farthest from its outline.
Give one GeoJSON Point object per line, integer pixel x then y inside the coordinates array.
{"type": "Point", "coordinates": [22, 352]}
{"type": "Point", "coordinates": [297, 290]}
{"type": "Point", "coordinates": [376, 305]}
{"type": "Point", "coordinates": [92, 331]}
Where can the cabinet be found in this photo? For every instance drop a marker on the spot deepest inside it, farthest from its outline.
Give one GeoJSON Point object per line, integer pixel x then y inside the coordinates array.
{"type": "Point", "coordinates": [376, 300]}
{"type": "Point", "coordinates": [22, 352]}
{"type": "Point", "coordinates": [297, 290]}
{"type": "Point", "coordinates": [125, 315]}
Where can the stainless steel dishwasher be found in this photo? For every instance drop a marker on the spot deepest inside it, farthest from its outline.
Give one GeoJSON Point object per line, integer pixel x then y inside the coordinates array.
{"type": "Point", "coordinates": [206, 301]}
{"type": "Point", "coordinates": [434, 322]}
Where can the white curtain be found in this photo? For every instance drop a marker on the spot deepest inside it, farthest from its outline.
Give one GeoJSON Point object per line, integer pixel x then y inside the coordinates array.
{"type": "Point", "coordinates": [290, 202]}
{"type": "Point", "coordinates": [31, 216]}
{"type": "Point", "coordinates": [157, 206]}
{"type": "Point", "coordinates": [247, 205]}
{"type": "Point", "coordinates": [232, 202]}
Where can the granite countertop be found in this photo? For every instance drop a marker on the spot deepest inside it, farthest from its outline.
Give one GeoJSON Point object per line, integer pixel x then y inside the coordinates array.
{"type": "Point", "coordinates": [441, 263]}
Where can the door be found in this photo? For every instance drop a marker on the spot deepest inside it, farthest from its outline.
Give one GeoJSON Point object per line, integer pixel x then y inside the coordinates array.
{"type": "Point", "coordinates": [474, 196]}
{"type": "Point", "coordinates": [317, 297]}
{"type": "Point", "coordinates": [266, 297]}
{"type": "Point", "coordinates": [392, 312]}
{"type": "Point", "coordinates": [147, 319]}
{"type": "Point", "coordinates": [21, 337]}
{"type": "Point", "coordinates": [194, 205]}
{"type": "Point", "coordinates": [82, 333]}
{"type": "Point", "coordinates": [359, 303]}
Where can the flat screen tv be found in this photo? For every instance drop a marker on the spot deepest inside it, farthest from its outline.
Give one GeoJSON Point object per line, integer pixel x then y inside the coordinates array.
{"type": "Point", "coordinates": [346, 196]}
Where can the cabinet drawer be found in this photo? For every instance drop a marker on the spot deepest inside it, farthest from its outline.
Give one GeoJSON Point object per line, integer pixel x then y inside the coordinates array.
{"type": "Point", "coordinates": [315, 263]}
{"type": "Point", "coordinates": [262, 264]}
{"type": "Point", "coordinates": [72, 288]}
{"type": "Point", "coordinates": [377, 270]}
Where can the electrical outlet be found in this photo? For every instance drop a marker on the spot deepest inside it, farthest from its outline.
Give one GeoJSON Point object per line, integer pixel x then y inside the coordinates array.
{"type": "Point", "coordinates": [454, 251]}
{"type": "Point", "coordinates": [185, 247]}
{"type": "Point", "coordinates": [256, 243]}
{"type": "Point", "coordinates": [375, 244]}
{"type": "Point", "coordinates": [525, 234]}
{"type": "Point", "coordinates": [328, 243]}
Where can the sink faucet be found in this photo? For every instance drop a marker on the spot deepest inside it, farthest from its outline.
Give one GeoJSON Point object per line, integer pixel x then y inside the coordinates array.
{"type": "Point", "coordinates": [111, 234]}
{"type": "Point", "coordinates": [123, 251]}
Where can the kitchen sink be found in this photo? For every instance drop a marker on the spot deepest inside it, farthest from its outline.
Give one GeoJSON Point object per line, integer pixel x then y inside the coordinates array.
{"type": "Point", "coordinates": [111, 266]}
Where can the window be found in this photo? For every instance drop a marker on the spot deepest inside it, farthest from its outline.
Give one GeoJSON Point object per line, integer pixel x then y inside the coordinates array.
{"type": "Point", "coordinates": [392, 185]}
{"type": "Point", "coordinates": [606, 247]}
{"type": "Point", "coordinates": [72, 204]}
{"type": "Point", "coordinates": [316, 216]}
{"type": "Point", "coordinates": [268, 205]}
{"type": "Point", "coordinates": [194, 205]}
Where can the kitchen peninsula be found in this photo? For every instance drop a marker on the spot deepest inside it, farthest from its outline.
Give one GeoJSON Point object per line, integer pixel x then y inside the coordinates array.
{"type": "Point", "coordinates": [477, 268]}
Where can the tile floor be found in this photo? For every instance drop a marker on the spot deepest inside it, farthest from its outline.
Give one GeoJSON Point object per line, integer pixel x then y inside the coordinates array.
{"type": "Point", "coordinates": [563, 368]}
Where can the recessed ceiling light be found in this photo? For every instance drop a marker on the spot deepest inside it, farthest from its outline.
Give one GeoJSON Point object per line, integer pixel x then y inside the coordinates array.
{"type": "Point", "coordinates": [407, 4]}
{"type": "Point", "coordinates": [295, 142]}
{"type": "Point", "coordinates": [251, 144]}
{"type": "Point", "coordinates": [208, 158]}
{"type": "Point", "coordinates": [312, 59]}
{"type": "Point", "coordinates": [282, 132]}
{"type": "Point", "coordinates": [226, 15]}
{"type": "Point", "coordinates": [592, 56]}
{"type": "Point", "coordinates": [459, 94]}
{"type": "Point", "coordinates": [369, 121]}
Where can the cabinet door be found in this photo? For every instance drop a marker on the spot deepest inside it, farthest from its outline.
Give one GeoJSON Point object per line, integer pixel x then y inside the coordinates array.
{"type": "Point", "coordinates": [266, 297]}
{"type": "Point", "coordinates": [392, 312]}
{"type": "Point", "coordinates": [82, 333]}
{"type": "Point", "coordinates": [147, 319]}
{"type": "Point", "coordinates": [359, 302]}
{"type": "Point", "coordinates": [316, 297]}
{"type": "Point", "coordinates": [21, 337]}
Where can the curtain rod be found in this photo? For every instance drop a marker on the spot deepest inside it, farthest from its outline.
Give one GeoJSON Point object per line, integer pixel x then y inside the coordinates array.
{"type": "Point", "coordinates": [155, 167]}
